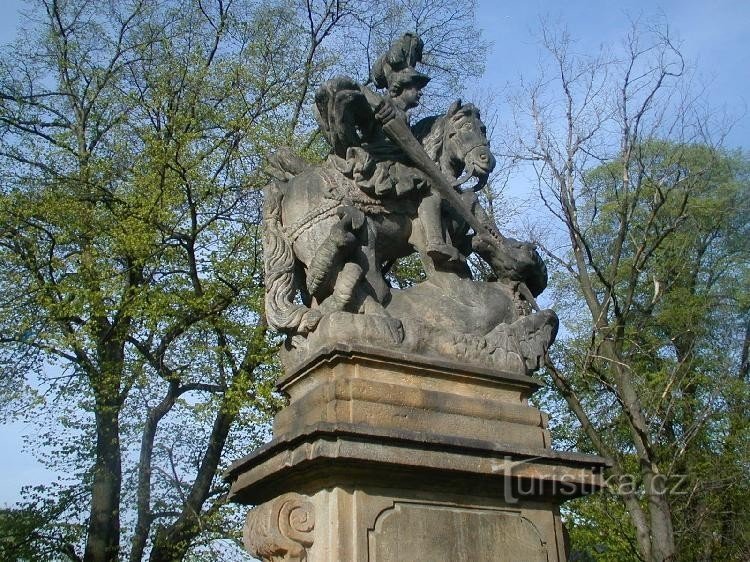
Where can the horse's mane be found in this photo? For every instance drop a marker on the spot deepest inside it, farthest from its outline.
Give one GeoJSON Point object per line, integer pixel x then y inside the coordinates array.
{"type": "Point", "coordinates": [429, 132]}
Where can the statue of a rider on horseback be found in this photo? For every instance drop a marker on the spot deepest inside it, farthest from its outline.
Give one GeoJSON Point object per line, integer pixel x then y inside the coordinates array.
{"type": "Point", "coordinates": [388, 190]}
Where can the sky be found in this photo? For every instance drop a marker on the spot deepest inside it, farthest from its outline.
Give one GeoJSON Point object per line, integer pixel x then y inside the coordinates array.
{"type": "Point", "coordinates": [713, 36]}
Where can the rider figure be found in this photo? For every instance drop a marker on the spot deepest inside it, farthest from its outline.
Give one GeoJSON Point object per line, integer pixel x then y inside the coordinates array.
{"type": "Point", "coordinates": [395, 71]}
{"type": "Point", "coordinates": [362, 151]}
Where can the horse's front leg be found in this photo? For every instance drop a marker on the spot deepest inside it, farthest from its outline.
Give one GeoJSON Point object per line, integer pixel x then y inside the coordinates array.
{"type": "Point", "coordinates": [370, 260]}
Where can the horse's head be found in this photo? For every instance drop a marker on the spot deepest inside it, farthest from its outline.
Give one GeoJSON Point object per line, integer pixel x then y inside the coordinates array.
{"type": "Point", "coordinates": [457, 141]}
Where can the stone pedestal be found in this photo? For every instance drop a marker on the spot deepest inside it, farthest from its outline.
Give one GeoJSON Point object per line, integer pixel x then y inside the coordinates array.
{"type": "Point", "coordinates": [382, 456]}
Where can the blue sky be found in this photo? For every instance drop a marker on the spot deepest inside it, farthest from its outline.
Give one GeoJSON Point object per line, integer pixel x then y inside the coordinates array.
{"type": "Point", "coordinates": [713, 35]}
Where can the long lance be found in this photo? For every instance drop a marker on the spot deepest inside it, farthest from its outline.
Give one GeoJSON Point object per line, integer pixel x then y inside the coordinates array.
{"type": "Point", "coordinates": [399, 132]}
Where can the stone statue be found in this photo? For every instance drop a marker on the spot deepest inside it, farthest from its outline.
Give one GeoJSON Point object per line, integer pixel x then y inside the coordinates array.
{"type": "Point", "coordinates": [388, 190]}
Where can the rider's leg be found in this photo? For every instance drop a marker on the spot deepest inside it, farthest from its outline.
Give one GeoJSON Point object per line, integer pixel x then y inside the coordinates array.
{"type": "Point", "coordinates": [429, 213]}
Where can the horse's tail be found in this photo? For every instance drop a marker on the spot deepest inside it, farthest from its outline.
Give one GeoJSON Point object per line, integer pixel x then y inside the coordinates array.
{"type": "Point", "coordinates": [282, 312]}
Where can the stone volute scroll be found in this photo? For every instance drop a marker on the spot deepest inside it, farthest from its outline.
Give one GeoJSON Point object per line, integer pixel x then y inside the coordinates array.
{"type": "Point", "coordinates": [280, 530]}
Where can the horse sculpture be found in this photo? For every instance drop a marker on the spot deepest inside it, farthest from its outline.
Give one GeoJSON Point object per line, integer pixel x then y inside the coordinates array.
{"type": "Point", "coordinates": [329, 243]}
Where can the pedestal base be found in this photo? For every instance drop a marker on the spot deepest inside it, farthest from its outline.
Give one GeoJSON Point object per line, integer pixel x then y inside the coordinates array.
{"type": "Point", "coordinates": [384, 457]}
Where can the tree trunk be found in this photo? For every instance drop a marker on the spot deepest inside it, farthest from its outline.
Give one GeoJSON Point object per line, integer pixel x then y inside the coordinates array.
{"type": "Point", "coordinates": [103, 537]}
{"type": "Point", "coordinates": [660, 545]}
{"type": "Point", "coordinates": [143, 500]}
{"type": "Point", "coordinates": [172, 543]}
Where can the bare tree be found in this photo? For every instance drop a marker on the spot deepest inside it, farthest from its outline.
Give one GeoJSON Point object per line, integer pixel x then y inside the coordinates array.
{"type": "Point", "coordinates": [625, 165]}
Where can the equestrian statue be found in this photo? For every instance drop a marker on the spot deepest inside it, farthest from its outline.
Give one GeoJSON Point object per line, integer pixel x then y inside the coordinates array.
{"type": "Point", "coordinates": [388, 190]}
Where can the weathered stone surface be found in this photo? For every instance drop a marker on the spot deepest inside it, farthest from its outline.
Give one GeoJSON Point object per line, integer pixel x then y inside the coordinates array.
{"type": "Point", "coordinates": [369, 432]}
{"type": "Point", "coordinates": [387, 191]}
{"type": "Point", "coordinates": [385, 390]}
{"type": "Point", "coordinates": [326, 453]}
{"type": "Point", "coordinates": [438, 533]}
{"type": "Point", "coordinates": [282, 529]}
{"type": "Point", "coordinates": [367, 521]}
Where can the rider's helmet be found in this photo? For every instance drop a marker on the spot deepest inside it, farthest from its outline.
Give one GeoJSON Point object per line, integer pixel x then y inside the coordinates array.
{"type": "Point", "coordinates": [396, 70]}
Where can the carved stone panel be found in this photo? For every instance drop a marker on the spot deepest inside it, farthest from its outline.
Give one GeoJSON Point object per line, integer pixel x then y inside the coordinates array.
{"type": "Point", "coordinates": [410, 531]}
{"type": "Point", "coordinates": [281, 529]}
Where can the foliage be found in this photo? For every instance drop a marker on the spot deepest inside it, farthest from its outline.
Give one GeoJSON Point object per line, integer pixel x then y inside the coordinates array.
{"type": "Point", "coordinates": [131, 324]}
{"type": "Point", "coordinates": [652, 284]}
{"type": "Point", "coordinates": [31, 532]}
{"type": "Point", "coordinates": [682, 338]}
{"type": "Point", "coordinates": [599, 529]}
